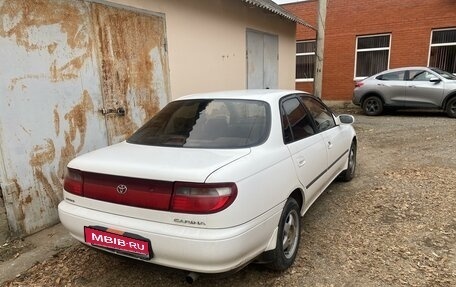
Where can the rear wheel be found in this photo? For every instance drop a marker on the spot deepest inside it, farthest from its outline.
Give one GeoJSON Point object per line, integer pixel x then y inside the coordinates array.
{"type": "Point", "coordinates": [288, 237]}
{"type": "Point", "coordinates": [372, 106]}
{"type": "Point", "coordinates": [451, 108]}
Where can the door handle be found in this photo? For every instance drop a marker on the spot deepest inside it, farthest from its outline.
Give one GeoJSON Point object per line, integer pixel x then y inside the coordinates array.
{"type": "Point", "coordinates": [330, 145]}
{"type": "Point", "coordinates": [301, 162]}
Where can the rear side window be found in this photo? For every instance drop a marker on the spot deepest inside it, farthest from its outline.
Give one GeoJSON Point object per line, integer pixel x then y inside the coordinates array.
{"type": "Point", "coordinates": [393, 76]}
{"type": "Point", "coordinates": [296, 121]}
{"type": "Point", "coordinates": [207, 123]}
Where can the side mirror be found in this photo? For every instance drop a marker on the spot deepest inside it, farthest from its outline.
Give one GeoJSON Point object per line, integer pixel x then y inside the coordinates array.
{"type": "Point", "coordinates": [346, 119]}
{"type": "Point", "coordinates": [434, 80]}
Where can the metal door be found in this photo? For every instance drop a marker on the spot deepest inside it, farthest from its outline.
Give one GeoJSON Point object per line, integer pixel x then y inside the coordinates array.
{"type": "Point", "coordinates": [50, 90]}
{"type": "Point", "coordinates": [262, 60]}
{"type": "Point", "coordinates": [134, 67]}
{"type": "Point", "coordinates": [70, 65]}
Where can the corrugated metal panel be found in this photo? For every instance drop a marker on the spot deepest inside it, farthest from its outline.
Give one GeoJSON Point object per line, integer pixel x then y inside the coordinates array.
{"type": "Point", "coordinates": [276, 9]}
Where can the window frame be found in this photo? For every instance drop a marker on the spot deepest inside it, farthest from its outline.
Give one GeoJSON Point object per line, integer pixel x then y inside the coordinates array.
{"type": "Point", "coordinates": [301, 80]}
{"type": "Point", "coordinates": [285, 117]}
{"type": "Point", "coordinates": [370, 50]}
{"type": "Point", "coordinates": [324, 109]}
{"type": "Point", "coordinates": [439, 45]}
{"type": "Point", "coordinates": [300, 98]}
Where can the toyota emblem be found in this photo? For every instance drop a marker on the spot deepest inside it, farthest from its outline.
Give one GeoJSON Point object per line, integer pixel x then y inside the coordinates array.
{"type": "Point", "coordinates": [121, 189]}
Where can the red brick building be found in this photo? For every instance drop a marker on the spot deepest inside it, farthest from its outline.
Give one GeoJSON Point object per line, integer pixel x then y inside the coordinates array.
{"type": "Point", "coordinates": [363, 37]}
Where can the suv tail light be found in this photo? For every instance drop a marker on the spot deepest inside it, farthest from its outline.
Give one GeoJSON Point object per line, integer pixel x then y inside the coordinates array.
{"type": "Point", "coordinates": [359, 84]}
{"type": "Point", "coordinates": [73, 181]}
{"type": "Point", "coordinates": [202, 198]}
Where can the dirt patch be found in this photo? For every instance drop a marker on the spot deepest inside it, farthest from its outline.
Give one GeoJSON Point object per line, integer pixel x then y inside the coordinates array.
{"type": "Point", "coordinates": [13, 249]}
{"type": "Point", "coordinates": [393, 225]}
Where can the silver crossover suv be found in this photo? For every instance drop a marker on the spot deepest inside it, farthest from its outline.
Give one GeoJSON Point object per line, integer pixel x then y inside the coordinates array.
{"type": "Point", "coordinates": [410, 87]}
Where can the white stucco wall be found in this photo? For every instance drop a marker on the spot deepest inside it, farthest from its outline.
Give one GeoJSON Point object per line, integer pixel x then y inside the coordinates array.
{"type": "Point", "coordinates": [207, 42]}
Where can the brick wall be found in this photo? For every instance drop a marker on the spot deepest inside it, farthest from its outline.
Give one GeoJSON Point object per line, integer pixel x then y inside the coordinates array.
{"type": "Point", "coordinates": [410, 23]}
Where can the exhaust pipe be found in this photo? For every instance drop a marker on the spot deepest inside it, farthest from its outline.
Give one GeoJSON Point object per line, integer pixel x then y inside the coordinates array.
{"type": "Point", "coordinates": [191, 277]}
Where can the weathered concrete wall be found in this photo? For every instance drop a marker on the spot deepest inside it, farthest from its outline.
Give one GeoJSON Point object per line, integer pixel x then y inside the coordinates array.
{"type": "Point", "coordinates": [4, 228]}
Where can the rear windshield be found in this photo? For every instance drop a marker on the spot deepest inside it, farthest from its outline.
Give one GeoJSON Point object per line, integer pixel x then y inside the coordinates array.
{"type": "Point", "coordinates": [207, 124]}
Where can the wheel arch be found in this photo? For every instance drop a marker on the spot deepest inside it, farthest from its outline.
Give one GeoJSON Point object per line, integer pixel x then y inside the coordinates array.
{"type": "Point", "coordinates": [299, 196]}
{"type": "Point", "coordinates": [372, 93]}
{"type": "Point", "coordinates": [450, 96]}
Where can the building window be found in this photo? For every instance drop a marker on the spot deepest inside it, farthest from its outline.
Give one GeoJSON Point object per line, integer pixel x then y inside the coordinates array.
{"type": "Point", "coordinates": [443, 50]}
{"type": "Point", "coordinates": [372, 55]}
{"type": "Point", "coordinates": [305, 60]}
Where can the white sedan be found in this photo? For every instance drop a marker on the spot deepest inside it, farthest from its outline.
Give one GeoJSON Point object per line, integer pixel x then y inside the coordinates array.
{"type": "Point", "coordinates": [212, 182]}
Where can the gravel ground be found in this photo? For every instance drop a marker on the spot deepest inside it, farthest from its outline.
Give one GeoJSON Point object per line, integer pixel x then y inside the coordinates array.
{"type": "Point", "coordinates": [393, 225]}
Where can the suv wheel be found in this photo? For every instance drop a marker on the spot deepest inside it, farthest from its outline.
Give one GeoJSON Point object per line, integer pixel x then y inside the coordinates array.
{"type": "Point", "coordinates": [373, 106]}
{"type": "Point", "coordinates": [451, 108]}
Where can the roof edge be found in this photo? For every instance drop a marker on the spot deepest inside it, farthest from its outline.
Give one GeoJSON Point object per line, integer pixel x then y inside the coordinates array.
{"type": "Point", "coordinates": [277, 9]}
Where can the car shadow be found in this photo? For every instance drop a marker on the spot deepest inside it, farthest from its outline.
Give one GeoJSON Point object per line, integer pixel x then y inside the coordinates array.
{"type": "Point", "coordinates": [414, 113]}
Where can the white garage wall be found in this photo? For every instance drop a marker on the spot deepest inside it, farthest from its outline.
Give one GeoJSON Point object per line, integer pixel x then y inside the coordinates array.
{"type": "Point", "coordinates": [207, 42]}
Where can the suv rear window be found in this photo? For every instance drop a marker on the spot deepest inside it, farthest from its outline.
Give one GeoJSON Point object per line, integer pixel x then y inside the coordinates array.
{"type": "Point", "coordinates": [206, 123]}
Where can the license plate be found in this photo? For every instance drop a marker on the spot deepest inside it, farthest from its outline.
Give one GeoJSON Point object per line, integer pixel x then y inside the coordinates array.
{"type": "Point", "coordinates": [118, 241]}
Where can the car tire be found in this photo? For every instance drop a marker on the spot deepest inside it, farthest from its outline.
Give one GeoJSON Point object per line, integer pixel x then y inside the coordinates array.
{"type": "Point", "coordinates": [288, 237]}
{"type": "Point", "coordinates": [451, 108]}
{"type": "Point", "coordinates": [349, 173]}
{"type": "Point", "coordinates": [373, 106]}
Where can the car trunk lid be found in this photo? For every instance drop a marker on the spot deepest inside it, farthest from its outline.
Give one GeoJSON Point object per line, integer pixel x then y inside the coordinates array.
{"type": "Point", "coordinates": [144, 176]}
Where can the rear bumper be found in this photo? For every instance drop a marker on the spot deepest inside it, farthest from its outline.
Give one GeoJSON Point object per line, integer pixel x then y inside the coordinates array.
{"type": "Point", "coordinates": [187, 248]}
{"type": "Point", "coordinates": [356, 99]}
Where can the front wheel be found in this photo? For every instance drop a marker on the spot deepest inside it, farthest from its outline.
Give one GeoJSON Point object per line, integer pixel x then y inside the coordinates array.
{"type": "Point", "coordinates": [373, 106]}
{"type": "Point", "coordinates": [349, 173]}
{"type": "Point", "coordinates": [451, 108]}
{"type": "Point", "coordinates": [288, 237]}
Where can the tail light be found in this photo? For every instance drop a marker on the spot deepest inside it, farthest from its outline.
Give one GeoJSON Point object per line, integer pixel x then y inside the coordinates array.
{"type": "Point", "coordinates": [359, 84]}
{"type": "Point", "coordinates": [196, 198]}
{"type": "Point", "coordinates": [202, 198]}
{"type": "Point", "coordinates": [73, 181]}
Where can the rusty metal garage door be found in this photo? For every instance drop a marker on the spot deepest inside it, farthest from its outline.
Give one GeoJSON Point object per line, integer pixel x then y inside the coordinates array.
{"type": "Point", "coordinates": [75, 76]}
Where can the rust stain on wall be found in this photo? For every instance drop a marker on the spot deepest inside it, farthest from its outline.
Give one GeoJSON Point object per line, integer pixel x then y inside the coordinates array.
{"type": "Point", "coordinates": [77, 121]}
{"type": "Point", "coordinates": [69, 70]}
{"type": "Point", "coordinates": [44, 155]}
{"type": "Point", "coordinates": [19, 17]}
{"type": "Point", "coordinates": [18, 209]}
{"type": "Point", "coordinates": [36, 13]}
{"type": "Point", "coordinates": [125, 42]}
{"type": "Point", "coordinates": [52, 47]}
{"type": "Point", "coordinates": [56, 120]}
{"type": "Point", "coordinates": [27, 200]}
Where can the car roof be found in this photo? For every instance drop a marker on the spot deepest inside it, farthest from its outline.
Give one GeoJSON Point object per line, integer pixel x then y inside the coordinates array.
{"type": "Point", "coordinates": [404, 68]}
{"type": "Point", "coordinates": [264, 94]}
